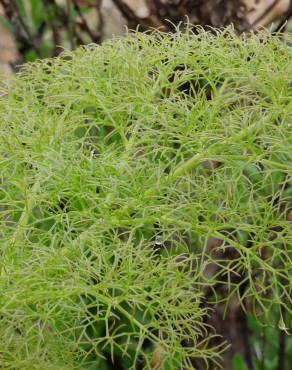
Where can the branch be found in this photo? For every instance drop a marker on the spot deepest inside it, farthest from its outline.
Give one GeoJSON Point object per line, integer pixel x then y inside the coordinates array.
{"type": "Point", "coordinates": [21, 30]}
{"type": "Point", "coordinates": [84, 25]}
{"type": "Point", "coordinates": [133, 20]}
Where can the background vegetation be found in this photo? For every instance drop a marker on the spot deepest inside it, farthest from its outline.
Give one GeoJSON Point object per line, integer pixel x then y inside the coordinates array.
{"type": "Point", "coordinates": [43, 28]}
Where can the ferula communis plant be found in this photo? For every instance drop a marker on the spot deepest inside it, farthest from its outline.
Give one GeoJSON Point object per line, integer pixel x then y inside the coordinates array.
{"type": "Point", "coordinates": [119, 164]}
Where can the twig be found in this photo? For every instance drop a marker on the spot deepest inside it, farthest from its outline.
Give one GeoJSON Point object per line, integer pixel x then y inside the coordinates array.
{"type": "Point", "coordinates": [21, 30]}
{"type": "Point", "coordinates": [65, 19]}
{"type": "Point", "coordinates": [133, 20]}
{"type": "Point", "coordinates": [22, 22]}
{"type": "Point", "coordinates": [84, 25]}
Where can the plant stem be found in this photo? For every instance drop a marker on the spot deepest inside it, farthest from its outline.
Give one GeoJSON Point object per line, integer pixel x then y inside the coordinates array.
{"type": "Point", "coordinates": [282, 344]}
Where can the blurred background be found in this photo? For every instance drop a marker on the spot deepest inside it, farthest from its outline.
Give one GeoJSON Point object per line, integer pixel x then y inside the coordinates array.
{"type": "Point", "coordinates": [33, 29]}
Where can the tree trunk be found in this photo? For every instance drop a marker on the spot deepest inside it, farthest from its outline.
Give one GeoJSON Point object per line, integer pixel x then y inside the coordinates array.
{"type": "Point", "coordinates": [243, 14]}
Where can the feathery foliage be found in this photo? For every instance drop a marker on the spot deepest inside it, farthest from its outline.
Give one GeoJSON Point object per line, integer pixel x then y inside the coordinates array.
{"type": "Point", "coordinates": [120, 164]}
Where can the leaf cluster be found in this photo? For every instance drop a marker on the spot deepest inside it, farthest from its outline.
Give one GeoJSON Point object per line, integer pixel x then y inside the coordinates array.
{"type": "Point", "coordinates": [142, 182]}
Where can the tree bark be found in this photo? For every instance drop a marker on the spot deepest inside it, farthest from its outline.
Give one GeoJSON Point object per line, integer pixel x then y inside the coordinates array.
{"type": "Point", "coordinates": [244, 15]}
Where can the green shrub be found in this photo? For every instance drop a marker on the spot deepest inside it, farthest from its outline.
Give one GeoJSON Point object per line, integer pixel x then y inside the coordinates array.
{"type": "Point", "coordinates": [120, 165]}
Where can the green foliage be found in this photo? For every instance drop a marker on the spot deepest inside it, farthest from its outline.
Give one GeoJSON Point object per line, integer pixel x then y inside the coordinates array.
{"type": "Point", "coordinates": [118, 165]}
{"type": "Point", "coordinates": [264, 344]}
{"type": "Point", "coordinates": [238, 363]}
